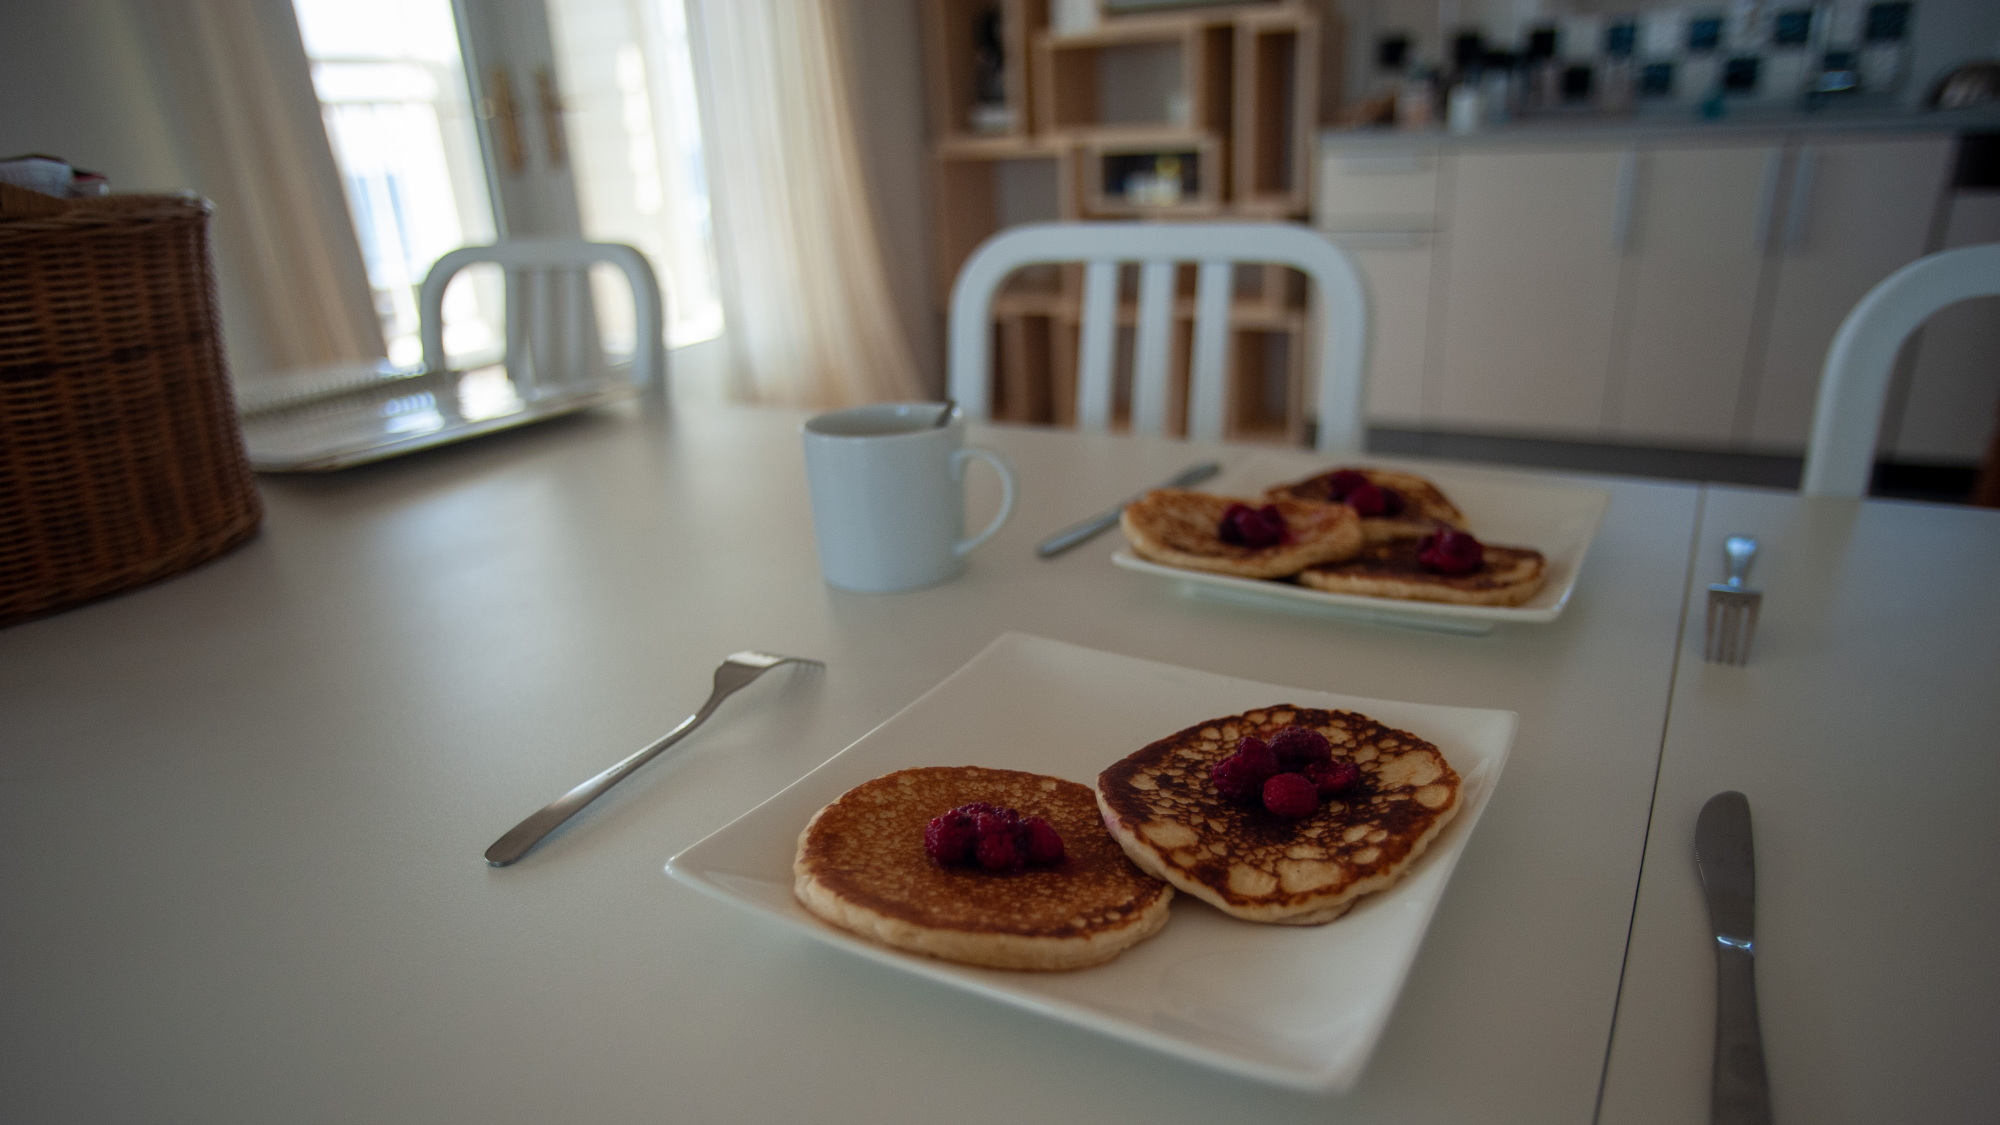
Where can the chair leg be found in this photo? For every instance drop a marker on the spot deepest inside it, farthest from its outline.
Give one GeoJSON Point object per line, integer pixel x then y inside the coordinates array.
{"type": "Point", "coordinates": [1986, 492]}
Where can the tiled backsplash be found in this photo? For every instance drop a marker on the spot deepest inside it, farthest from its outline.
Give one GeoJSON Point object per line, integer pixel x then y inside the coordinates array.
{"type": "Point", "coordinates": [1761, 51]}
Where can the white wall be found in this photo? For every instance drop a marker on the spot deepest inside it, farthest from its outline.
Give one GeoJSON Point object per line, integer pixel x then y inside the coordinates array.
{"type": "Point", "coordinates": [77, 81]}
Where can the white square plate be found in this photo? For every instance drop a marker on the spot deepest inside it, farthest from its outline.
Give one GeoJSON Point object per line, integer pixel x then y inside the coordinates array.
{"type": "Point", "coordinates": [1558, 520]}
{"type": "Point", "coordinates": [1297, 1006]}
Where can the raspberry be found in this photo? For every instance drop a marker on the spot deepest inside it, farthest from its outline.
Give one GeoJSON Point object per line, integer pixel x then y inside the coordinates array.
{"type": "Point", "coordinates": [1291, 795]}
{"type": "Point", "coordinates": [998, 851]}
{"type": "Point", "coordinates": [1368, 500]}
{"type": "Point", "coordinates": [949, 838]}
{"type": "Point", "coordinates": [1340, 484]}
{"type": "Point", "coordinates": [1245, 526]}
{"type": "Point", "coordinates": [1043, 844]}
{"type": "Point", "coordinates": [1334, 778]}
{"type": "Point", "coordinates": [1448, 551]}
{"type": "Point", "coordinates": [1372, 500]}
{"type": "Point", "coordinates": [1240, 777]}
{"type": "Point", "coordinates": [1296, 746]}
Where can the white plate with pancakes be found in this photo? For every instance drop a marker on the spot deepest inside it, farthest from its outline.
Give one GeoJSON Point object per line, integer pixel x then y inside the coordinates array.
{"type": "Point", "coordinates": [1297, 1006]}
{"type": "Point", "coordinates": [1559, 520]}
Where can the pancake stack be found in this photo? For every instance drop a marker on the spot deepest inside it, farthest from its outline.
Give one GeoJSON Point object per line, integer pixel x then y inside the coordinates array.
{"type": "Point", "coordinates": [1349, 530]}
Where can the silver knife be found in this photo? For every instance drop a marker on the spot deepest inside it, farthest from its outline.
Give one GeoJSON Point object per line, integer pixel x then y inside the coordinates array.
{"type": "Point", "coordinates": [1739, 1090]}
{"type": "Point", "coordinates": [1076, 535]}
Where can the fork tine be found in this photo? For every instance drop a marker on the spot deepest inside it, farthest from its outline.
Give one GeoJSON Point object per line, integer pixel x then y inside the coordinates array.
{"type": "Point", "coordinates": [1731, 624]}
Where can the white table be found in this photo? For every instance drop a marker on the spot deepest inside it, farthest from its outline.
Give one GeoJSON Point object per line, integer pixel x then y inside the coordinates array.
{"type": "Point", "coordinates": [241, 813]}
{"type": "Point", "coordinates": [1866, 733]}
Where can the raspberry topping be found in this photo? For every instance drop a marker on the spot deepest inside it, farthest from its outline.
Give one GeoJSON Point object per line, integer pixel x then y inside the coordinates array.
{"type": "Point", "coordinates": [1241, 776]}
{"type": "Point", "coordinates": [1372, 501]}
{"type": "Point", "coordinates": [1448, 551]}
{"type": "Point", "coordinates": [995, 839]}
{"type": "Point", "coordinates": [1044, 845]}
{"type": "Point", "coordinates": [997, 851]}
{"type": "Point", "coordinates": [1343, 483]}
{"type": "Point", "coordinates": [1245, 526]}
{"type": "Point", "coordinates": [949, 839]}
{"type": "Point", "coordinates": [1291, 795]}
{"type": "Point", "coordinates": [1296, 746]}
{"type": "Point", "coordinates": [1333, 778]}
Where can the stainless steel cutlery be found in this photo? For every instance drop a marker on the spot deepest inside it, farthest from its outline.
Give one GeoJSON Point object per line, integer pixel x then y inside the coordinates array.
{"type": "Point", "coordinates": [734, 674]}
{"type": "Point", "coordinates": [1732, 606]}
{"type": "Point", "coordinates": [1739, 1090]}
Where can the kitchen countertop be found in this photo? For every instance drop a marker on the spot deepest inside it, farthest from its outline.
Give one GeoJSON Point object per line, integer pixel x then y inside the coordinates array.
{"type": "Point", "coordinates": [1678, 123]}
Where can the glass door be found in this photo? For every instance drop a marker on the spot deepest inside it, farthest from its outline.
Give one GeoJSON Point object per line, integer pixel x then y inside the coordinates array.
{"type": "Point", "coordinates": [454, 124]}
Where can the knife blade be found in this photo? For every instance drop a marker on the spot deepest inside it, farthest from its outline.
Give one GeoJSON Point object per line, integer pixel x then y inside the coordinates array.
{"type": "Point", "coordinates": [1739, 1087]}
{"type": "Point", "coordinates": [1077, 534]}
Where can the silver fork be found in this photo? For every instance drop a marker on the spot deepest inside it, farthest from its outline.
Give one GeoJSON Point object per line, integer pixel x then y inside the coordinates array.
{"type": "Point", "coordinates": [1732, 606]}
{"type": "Point", "coordinates": [732, 676]}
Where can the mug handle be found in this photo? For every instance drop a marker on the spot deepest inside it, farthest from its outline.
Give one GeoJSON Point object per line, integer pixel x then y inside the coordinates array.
{"type": "Point", "coordinates": [1006, 471]}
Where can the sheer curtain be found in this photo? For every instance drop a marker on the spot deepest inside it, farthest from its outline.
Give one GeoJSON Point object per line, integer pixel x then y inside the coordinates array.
{"type": "Point", "coordinates": [240, 78]}
{"type": "Point", "coordinates": [806, 299]}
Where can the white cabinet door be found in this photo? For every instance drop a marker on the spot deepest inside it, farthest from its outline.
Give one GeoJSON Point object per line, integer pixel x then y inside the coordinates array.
{"type": "Point", "coordinates": [1700, 227]}
{"type": "Point", "coordinates": [1529, 262]}
{"type": "Point", "coordinates": [1396, 270]}
{"type": "Point", "coordinates": [1856, 212]}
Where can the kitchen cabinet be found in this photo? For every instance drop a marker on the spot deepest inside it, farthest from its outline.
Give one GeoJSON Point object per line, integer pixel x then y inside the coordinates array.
{"type": "Point", "coordinates": [1694, 260]}
{"type": "Point", "coordinates": [1659, 288]}
{"type": "Point", "coordinates": [1395, 269]}
{"type": "Point", "coordinates": [1527, 285]}
{"type": "Point", "coordinates": [1381, 209]}
{"type": "Point", "coordinates": [1855, 212]}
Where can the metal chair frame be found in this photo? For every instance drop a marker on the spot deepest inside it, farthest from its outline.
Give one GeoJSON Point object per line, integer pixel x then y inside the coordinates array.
{"type": "Point", "coordinates": [1341, 318]}
{"type": "Point", "coordinates": [1847, 416]}
{"type": "Point", "coordinates": [538, 270]}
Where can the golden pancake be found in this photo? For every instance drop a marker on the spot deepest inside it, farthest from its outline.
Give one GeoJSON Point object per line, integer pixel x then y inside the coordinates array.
{"type": "Point", "coordinates": [862, 866]}
{"type": "Point", "coordinates": [1510, 576]}
{"type": "Point", "coordinates": [1179, 528]}
{"type": "Point", "coordinates": [1424, 504]}
{"type": "Point", "coordinates": [1165, 811]}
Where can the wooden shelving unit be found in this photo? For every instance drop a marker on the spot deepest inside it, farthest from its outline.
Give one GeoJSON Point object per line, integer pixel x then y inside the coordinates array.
{"type": "Point", "coordinates": [1201, 114]}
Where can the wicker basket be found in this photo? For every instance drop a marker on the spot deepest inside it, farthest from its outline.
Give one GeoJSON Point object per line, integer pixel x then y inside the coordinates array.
{"type": "Point", "coordinates": [121, 462]}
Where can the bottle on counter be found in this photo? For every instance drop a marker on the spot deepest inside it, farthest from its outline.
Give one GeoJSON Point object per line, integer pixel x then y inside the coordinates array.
{"type": "Point", "coordinates": [1416, 100]}
{"type": "Point", "coordinates": [1465, 108]}
{"type": "Point", "coordinates": [1499, 92]}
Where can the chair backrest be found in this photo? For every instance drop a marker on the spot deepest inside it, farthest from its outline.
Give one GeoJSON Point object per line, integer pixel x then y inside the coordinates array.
{"type": "Point", "coordinates": [1159, 248]}
{"type": "Point", "coordinates": [1855, 381]}
{"type": "Point", "coordinates": [548, 311]}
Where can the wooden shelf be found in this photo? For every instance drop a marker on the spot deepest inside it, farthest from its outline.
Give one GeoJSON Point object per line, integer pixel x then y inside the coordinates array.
{"type": "Point", "coordinates": [1230, 94]}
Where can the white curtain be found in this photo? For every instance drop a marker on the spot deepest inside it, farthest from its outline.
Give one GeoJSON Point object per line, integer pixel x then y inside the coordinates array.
{"type": "Point", "coordinates": [806, 299]}
{"type": "Point", "coordinates": [244, 89]}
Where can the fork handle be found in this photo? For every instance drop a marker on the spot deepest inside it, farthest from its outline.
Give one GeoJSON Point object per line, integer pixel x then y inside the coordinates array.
{"type": "Point", "coordinates": [525, 835]}
{"type": "Point", "coordinates": [1740, 551]}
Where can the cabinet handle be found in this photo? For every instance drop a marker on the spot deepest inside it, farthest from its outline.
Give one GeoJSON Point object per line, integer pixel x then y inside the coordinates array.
{"type": "Point", "coordinates": [1621, 214]}
{"type": "Point", "coordinates": [1767, 203]}
{"type": "Point", "coordinates": [1802, 185]}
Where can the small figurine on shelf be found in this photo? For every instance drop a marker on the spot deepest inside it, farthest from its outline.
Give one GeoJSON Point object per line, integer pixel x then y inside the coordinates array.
{"type": "Point", "coordinates": [990, 111]}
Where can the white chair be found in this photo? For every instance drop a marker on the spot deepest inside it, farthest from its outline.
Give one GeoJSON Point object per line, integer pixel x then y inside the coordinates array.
{"type": "Point", "coordinates": [1852, 386]}
{"type": "Point", "coordinates": [1158, 248]}
{"type": "Point", "coordinates": [551, 332]}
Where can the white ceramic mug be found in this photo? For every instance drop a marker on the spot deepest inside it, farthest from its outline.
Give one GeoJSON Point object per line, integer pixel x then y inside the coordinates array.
{"type": "Point", "coordinates": [888, 495]}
